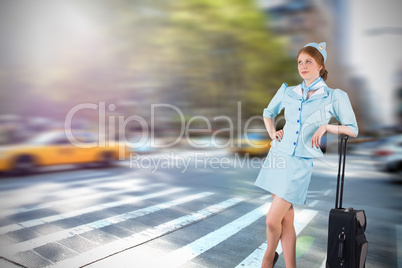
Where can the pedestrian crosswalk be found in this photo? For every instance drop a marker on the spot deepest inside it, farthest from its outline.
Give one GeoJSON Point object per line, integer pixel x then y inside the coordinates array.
{"type": "Point", "coordinates": [77, 212]}
{"type": "Point", "coordinates": [149, 234]}
{"type": "Point", "coordinates": [102, 227]}
{"type": "Point", "coordinates": [40, 241]}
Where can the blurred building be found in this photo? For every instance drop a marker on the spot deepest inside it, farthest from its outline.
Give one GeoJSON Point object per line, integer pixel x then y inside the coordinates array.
{"type": "Point", "coordinates": [398, 97]}
{"type": "Point", "coordinates": [304, 21]}
{"type": "Point", "coordinates": [375, 37]}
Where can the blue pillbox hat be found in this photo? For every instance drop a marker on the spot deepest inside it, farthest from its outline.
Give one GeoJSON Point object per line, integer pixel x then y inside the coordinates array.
{"type": "Point", "coordinates": [320, 47]}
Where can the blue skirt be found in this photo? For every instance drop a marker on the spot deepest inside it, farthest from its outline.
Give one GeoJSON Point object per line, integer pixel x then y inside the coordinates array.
{"type": "Point", "coordinates": [286, 176]}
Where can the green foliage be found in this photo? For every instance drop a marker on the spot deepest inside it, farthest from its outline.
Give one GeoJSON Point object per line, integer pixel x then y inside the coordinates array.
{"type": "Point", "coordinates": [228, 45]}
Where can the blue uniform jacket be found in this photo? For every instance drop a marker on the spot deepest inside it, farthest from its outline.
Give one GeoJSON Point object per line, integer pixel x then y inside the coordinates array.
{"type": "Point", "coordinates": [304, 117]}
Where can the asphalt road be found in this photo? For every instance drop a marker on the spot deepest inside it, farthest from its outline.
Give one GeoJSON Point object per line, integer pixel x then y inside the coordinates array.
{"type": "Point", "coordinates": [183, 209]}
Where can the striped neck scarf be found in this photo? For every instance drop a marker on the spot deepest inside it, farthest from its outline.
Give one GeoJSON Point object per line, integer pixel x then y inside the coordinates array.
{"type": "Point", "coordinates": [318, 83]}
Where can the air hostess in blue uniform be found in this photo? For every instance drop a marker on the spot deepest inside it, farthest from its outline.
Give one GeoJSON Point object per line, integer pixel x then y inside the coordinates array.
{"type": "Point", "coordinates": [288, 167]}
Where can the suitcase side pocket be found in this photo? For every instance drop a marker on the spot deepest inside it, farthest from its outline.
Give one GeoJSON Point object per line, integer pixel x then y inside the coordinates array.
{"type": "Point", "coordinates": [361, 249]}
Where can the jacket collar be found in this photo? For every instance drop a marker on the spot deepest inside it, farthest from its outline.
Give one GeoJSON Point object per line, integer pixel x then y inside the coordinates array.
{"type": "Point", "coordinates": [296, 93]}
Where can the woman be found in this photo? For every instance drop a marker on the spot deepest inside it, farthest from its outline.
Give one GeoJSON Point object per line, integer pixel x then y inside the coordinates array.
{"type": "Point", "coordinates": [288, 167]}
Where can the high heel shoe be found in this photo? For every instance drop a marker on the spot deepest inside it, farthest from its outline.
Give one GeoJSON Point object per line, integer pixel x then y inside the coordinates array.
{"type": "Point", "coordinates": [275, 259]}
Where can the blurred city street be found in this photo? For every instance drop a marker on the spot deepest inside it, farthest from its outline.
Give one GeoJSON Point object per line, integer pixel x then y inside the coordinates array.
{"type": "Point", "coordinates": [190, 209]}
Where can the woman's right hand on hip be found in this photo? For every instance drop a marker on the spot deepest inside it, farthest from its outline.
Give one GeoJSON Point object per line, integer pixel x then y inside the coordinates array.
{"type": "Point", "coordinates": [278, 135]}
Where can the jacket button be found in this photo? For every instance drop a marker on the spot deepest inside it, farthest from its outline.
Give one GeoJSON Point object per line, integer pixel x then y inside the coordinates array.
{"type": "Point", "coordinates": [298, 121]}
{"type": "Point", "coordinates": [299, 109]}
{"type": "Point", "coordinates": [294, 143]}
{"type": "Point", "coordinates": [297, 132]}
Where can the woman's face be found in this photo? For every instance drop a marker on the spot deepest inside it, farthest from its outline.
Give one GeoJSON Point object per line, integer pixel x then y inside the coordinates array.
{"type": "Point", "coordinates": [308, 67]}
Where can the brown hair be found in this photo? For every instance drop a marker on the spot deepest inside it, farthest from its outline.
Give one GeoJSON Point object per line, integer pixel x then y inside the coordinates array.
{"type": "Point", "coordinates": [317, 56]}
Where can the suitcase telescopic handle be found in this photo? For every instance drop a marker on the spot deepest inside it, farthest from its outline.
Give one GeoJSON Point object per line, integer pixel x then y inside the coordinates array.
{"type": "Point", "coordinates": [341, 175]}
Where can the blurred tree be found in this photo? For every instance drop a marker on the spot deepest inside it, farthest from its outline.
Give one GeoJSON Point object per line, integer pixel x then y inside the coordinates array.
{"type": "Point", "coordinates": [226, 52]}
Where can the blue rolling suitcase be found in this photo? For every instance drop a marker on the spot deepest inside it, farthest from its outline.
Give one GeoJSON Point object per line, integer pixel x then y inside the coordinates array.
{"type": "Point", "coordinates": [347, 244]}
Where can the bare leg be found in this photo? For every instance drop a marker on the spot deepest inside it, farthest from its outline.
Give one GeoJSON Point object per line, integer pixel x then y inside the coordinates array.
{"type": "Point", "coordinates": [279, 208]}
{"type": "Point", "coordinates": [288, 239]}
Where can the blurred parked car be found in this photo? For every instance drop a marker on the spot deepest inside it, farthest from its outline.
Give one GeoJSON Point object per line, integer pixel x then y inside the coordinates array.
{"type": "Point", "coordinates": [254, 144]}
{"type": "Point", "coordinates": [363, 145]}
{"type": "Point", "coordinates": [54, 148]}
{"type": "Point", "coordinates": [388, 155]}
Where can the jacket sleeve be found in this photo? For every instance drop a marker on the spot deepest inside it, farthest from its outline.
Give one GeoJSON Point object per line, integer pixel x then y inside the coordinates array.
{"type": "Point", "coordinates": [343, 111]}
{"type": "Point", "coordinates": [276, 104]}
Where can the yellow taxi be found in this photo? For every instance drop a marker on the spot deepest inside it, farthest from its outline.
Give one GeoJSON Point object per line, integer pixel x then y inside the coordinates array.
{"type": "Point", "coordinates": [253, 144]}
{"type": "Point", "coordinates": [56, 148]}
